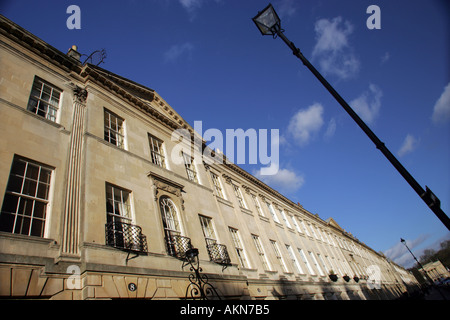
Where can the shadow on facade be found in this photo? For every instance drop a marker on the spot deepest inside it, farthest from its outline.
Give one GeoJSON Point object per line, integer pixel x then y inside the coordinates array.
{"type": "Point", "coordinates": [308, 290]}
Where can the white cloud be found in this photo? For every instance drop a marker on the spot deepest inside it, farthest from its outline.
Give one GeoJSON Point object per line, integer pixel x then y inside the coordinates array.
{"type": "Point", "coordinates": [331, 129]}
{"type": "Point", "coordinates": [191, 5]}
{"type": "Point", "coordinates": [333, 50]}
{"type": "Point", "coordinates": [178, 50]}
{"type": "Point", "coordinates": [286, 8]}
{"type": "Point", "coordinates": [400, 255]}
{"type": "Point", "coordinates": [368, 104]}
{"type": "Point", "coordinates": [385, 58]}
{"type": "Point", "coordinates": [441, 110]}
{"type": "Point", "coordinates": [305, 123]}
{"type": "Point", "coordinates": [285, 180]}
{"type": "Point", "coordinates": [409, 145]}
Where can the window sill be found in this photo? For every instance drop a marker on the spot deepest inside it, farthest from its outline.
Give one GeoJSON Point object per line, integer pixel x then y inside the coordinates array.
{"type": "Point", "coordinates": [247, 211]}
{"type": "Point", "coordinates": [21, 237]}
{"type": "Point", "coordinates": [278, 224]}
{"type": "Point", "coordinates": [224, 201]}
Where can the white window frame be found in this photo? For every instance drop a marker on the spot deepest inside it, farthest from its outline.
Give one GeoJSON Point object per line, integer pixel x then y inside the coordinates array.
{"type": "Point", "coordinates": [51, 105]}
{"type": "Point", "coordinates": [312, 227]}
{"type": "Point", "coordinates": [190, 167]}
{"type": "Point", "coordinates": [121, 205]}
{"type": "Point", "coordinates": [294, 259]}
{"type": "Point", "coordinates": [272, 212]}
{"type": "Point", "coordinates": [311, 254]}
{"type": "Point", "coordinates": [322, 262]}
{"type": "Point", "coordinates": [157, 153]}
{"type": "Point", "coordinates": [279, 256]}
{"type": "Point", "coordinates": [114, 136]}
{"type": "Point", "coordinates": [207, 228]}
{"type": "Point", "coordinates": [305, 261]}
{"type": "Point", "coordinates": [257, 205]}
{"type": "Point", "coordinates": [238, 245]}
{"type": "Point", "coordinates": [261, 252]}
{"type": "Point", "coordinates": [296, 225]}
{"type": "Point", "coordinates": [302, 222]}
{"type": "Point", "coordinates": [39, 198]}
{"type": "Point", "coordinates": [217, 185]}
{"type": "Point", "coordinates": [239, 196]}
{"type": "Point", "coordinates": [284, 217]}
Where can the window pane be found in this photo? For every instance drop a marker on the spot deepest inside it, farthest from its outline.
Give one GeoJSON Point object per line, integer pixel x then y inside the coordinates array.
{"type": "Point", "coordinates": [29, 187]}
{"type": "Point", "coordinates": [37, 228]}
{"type": "Point", "coordinates": [20, 206]}
{"type": "Point", "coordinates": [15, 184]}
{"type": "Point", "coordinates": [22, 225]}
{"type": "Point", "coordinates": [39, 209]}
{"type": "Point", "coordinates": [6, 222]}
{"type": "Point", "coordinates": [42, 95]}
{"type": "Point", "coordinates": [25, 207]}
{"type": "Point", "coordinates": [10, 203]}
{"type": "Point", "coordinates": [18, 168]}
{"type": "Point", "coordinates": [107, 123]}
{"type": "Point", "coordinates": [45, 176]}
{"type": "Point", "coordinates": [32, 171]}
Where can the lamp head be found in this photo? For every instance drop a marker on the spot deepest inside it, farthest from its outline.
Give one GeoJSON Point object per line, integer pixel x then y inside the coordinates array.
{"type": "Point", "coordinates": [192, 253]}
{"type": "Point", "coordinates": [268, 21]}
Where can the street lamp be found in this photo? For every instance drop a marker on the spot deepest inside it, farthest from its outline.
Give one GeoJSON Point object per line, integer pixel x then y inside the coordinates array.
{"type": "Point", "coordinates": [269, 23]}
{"type": "Point", "coordinates": [199, 286]}
{"type": "Point", "coordinates": [421, 266]}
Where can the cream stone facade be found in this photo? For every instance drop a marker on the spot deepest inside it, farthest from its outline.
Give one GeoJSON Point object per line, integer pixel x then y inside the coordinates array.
{"type": "Point", "coordinates": [435, 270]}
{"type": "Point", "coordinates": [93, 207]}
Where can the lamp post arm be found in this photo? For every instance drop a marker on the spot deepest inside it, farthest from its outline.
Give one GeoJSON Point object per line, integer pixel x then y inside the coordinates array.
{"type": "Point", "coordinates": [424, 195]}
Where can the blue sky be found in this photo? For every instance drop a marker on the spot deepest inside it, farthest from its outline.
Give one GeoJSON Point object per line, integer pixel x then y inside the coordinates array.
{"type": "Point", "coordinates": [211, 64]}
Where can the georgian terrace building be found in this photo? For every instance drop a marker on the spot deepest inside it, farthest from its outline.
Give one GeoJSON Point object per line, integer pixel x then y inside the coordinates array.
{"type": "Point", "coordinates": [93, 207]}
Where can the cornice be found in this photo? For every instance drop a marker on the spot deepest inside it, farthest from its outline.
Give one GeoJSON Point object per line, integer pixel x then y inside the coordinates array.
{"type": "Point", "coordinates": [28, 40]}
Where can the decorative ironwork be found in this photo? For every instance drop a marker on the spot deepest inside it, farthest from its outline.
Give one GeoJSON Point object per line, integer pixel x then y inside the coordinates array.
{"type": "Point", "coordinates": [177, 245]}
{"type": "Point", "coordinates": [96, 58]}
{"type": "Point", "coordinates": [199, 287]}
{"type": "Point", "coordinates": [218, 253]}
{"type": "Point", "coordinates": [125, 236]}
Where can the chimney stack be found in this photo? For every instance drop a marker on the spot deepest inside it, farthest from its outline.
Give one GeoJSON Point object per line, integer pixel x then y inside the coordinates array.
{"type": "Point", "coordinates": [73, 53]}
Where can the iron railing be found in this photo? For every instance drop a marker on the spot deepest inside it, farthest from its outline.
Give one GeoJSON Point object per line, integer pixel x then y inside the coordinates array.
{"type": "Point", "coordinates": [218, 253]}
{"type": "Point", "coordinates": [125, 236]}
{"type": "Point", "coordinates": [177, 245]}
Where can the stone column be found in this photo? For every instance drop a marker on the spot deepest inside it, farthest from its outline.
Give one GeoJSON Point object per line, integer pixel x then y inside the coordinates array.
{"type": "Point", "coordinates": [71, 224]}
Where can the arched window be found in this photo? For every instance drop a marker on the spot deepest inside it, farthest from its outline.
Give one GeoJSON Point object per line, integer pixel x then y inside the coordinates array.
{"type": "Point", "coordinates": [177, 245]}
{"type": "Point", "coordinates": [169, 215]}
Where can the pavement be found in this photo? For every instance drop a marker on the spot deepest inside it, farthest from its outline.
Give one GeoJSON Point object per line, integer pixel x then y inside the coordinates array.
{"type": "Point", "coordinates": [438, 293]}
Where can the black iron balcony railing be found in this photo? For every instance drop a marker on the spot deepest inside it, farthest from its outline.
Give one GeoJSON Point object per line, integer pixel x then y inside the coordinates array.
{"type": "Point", "coordinates": [125, 236]}
{"type": "Point", "coordinates": [177, 245]}
{"type": "Point", "coordinates": [218, 253]}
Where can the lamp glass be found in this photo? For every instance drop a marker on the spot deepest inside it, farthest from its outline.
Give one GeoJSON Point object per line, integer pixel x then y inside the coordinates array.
{"type": "Point", "coordinates": [267, 21]}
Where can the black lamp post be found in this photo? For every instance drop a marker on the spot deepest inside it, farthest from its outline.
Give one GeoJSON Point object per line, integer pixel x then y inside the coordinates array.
{"type": "Point", "coordinates": [199, 286]}
{"type": "Point", "coordinates": [421, 266]}
{"type": "Point", "coordinates": [269, 23]}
